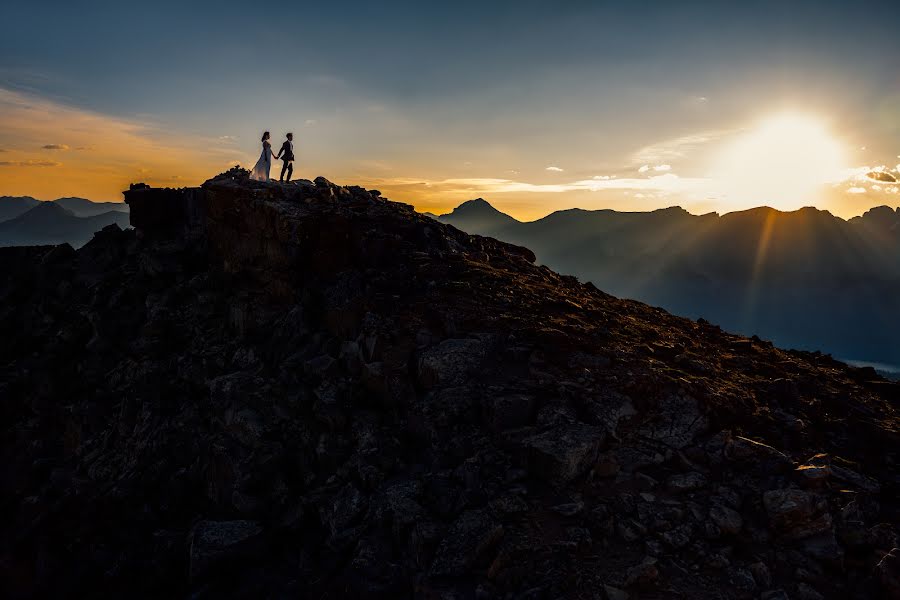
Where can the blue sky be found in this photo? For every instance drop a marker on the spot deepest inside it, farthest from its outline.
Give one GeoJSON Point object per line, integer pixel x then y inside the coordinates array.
{"type": "Point", "coordinates": [411, 96]}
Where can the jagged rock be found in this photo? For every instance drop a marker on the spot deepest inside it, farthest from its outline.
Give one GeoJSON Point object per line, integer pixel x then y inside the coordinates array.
{"type": "Point", "coordinates": [807, 592]}
{"type": "Point", "coordinates": [614, 593]}
{"type": "Point", "coordinates": [564, 452]}
{"type": "Point", "coordinates": [643, 575]}
{"type": "Point", "coordinates": [761, 574]}
{"type": "Point", "coordinates": [686, 482]}
{"type": "Point", "coordinates": [450, 362]}
{"type": "Point", "coordinates": [728, 520]}
{"type": "Point", "coordinates": [745, 449]}
{"type": "Point", "coordinates": [788, 508]}
{"type": "Point", "coordinates": [888, 571]}
{"type": "Point", "coordinates": [215, 544]}
{"type": "Point", "coordinates": [467, 542]}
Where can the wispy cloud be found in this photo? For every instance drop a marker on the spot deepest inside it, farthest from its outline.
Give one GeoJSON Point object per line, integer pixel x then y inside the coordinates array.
{"type": "Point", "coordinates": [55, 147]}
{"type": "Point", "coordinates": [483, 185]}
{"type": "Point", "coordinates": [555, 169]}
{"type": "Point", "coordinates": [29, 163]}
{"type": "Point", "coordinates": [310, 122]}
{"type": "Point", "coordinates": [671, 150]}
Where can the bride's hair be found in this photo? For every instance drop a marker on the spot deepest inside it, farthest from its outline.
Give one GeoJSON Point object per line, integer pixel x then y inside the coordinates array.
{"type": "Point", "coordinates": [265, 136]}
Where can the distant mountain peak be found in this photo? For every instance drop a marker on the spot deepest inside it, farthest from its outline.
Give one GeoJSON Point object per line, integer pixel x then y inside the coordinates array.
{"type": "Point", "coordinates": [479, 205]}
{"type": "Point", "coordinates": [47, 209]}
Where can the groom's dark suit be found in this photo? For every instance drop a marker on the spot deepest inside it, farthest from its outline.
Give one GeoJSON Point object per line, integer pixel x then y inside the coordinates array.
{"type": "Point", "coordinates": [287, 155]}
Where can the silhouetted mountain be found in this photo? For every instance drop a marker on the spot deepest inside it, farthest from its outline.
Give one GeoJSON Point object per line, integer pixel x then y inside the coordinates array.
{"type": "Point", "coordinates": [89, 208]}
{"type": "Point", "coordinates": [477, 215]}
{"type": "Point", "coordinates": [13, 206]}
{"type": "Point", "coordinates": [805, 279]}
{"type": "Point", "coordinates": [268, 391]}
{"type": "Point", "coordinates": [51, 223]}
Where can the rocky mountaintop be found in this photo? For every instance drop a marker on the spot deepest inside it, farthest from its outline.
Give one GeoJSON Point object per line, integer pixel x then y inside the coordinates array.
{"type": "Point", "coordinates": [311, 391]}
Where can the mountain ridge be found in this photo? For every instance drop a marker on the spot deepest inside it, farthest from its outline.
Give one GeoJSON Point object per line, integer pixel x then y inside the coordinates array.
{"type": "Point", "coordinates": [798, 277]}
{"type": "Point", "coordinates": [310, 390]}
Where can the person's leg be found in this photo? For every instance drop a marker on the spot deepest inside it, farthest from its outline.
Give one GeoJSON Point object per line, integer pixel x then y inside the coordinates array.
{"type": "Point", "coordinates": [284, 167]}
{"type": "Point", "coordinates": [290, 169]}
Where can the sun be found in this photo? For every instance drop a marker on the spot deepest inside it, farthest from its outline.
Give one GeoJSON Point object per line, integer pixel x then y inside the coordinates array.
{"type": "Point", "coordinates": [782, 162]}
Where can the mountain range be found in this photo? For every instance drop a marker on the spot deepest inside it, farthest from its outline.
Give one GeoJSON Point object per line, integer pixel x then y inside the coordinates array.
{"type": "Point", "coordinates": [805, 279]}
{"type": "Point", "coordinates": [310, 391]}
{"type": "Point", "coordinates": [25, 221]}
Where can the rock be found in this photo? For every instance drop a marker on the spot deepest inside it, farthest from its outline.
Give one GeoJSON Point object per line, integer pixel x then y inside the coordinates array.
{"type": "Point", "coordinates": [742, 580]}
{"type": "Point", "coordinates": [823, 547]}
{"type": "Point", "coordinates": [788, 508]}
{"type": "Point", "coordinates": [564, 452]}
{"type": "Point", "coordinates": [888, 573]}
{"type": "Point", "coordinates": [343, 510]}
{"type": "Point", "coordinates": [614, 593]}
{"type": "Point", "coordinates": [728, 520]}
{"type": "Point", "coordinates": [642, 575]}
{"type": "Point", "coordinates": [686, 482]}
{"type": "Point", "coordinates": [761, 574]}
{"type": "Point", "coordinates": [509, 412]}
{"type": "Point", "coordinates": [466, 544]}
{"type": "Point", "coordinates": [807, 592]}
{"type": "Point", "coordinates": [774, 595]}
{"type": "Point", "coordinates": [216, 544]}
{"type": "Point", "coordinates": [745, 449]}
{"type": "Point", "coordinates": [450, 362]}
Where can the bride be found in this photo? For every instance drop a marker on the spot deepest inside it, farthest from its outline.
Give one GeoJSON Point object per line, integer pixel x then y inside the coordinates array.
{"type": "Point", "coordinates": [264, 164]}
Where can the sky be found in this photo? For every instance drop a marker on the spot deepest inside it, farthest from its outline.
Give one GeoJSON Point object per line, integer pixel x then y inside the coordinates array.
{"type": "Point", "coordinates": [534, 105]}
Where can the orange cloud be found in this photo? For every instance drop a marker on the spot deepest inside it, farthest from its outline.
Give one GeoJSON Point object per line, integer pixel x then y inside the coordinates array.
{"type": "Point", "coordinates": [122, 151]}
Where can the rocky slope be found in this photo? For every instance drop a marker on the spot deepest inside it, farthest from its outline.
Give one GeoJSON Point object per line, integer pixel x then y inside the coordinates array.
{"type": "Point", "coordinates": [310, 391]}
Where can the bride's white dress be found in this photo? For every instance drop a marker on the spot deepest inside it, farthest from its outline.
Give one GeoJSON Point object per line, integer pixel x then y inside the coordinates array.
{"type": "Point", "coordinates": [264, 164]}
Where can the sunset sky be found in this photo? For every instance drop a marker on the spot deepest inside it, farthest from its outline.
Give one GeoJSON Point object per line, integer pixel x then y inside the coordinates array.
{"type": "Point", "coordinates": [534, 105]}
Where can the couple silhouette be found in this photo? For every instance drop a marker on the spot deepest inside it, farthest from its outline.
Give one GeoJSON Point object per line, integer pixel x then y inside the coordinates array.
{"type": "Point", "coordinates": [264, 164]}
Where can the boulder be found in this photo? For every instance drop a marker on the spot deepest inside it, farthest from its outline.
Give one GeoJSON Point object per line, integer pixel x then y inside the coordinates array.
{"type": "Point", "coordinates": [788, 508]}
{"type": "Point", "coordinates": [565, 452]}
{"type": "Point", "coordinates": [216, 544]}
{"type": "Point", "coordinates": [450, 362]}
{"type": "Point", "coordinates": [467, 543]}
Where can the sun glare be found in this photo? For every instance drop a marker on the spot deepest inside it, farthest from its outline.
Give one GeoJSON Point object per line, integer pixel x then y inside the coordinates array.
{"type": "Point", "coordinates": [782, 162]}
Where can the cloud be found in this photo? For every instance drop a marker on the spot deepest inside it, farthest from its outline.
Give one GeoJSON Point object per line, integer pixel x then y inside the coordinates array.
{"type": "Point", "coordinates": [555, 169]}
{"type": "Point", "coordinates": [671, 150]}
{"type": "Point", "coordinates": [856, 190]}
{"type": "Point", "coordinates": [118, 147]}
{"type": "Point", "coordinates": [601, 177]}
{"type": "Point", "coordinates": [661, 168]}
{"type": "Point", "coordinates": [881, 176]}
{"type": "Point", "coordinates": [55, 147]}
{"type": "Point", "coordinates": [228, 138]}
{"type": "Point", "coordinates": [29, 163]}
{"type": "Point", "coordinates": [666, 183]}
{"type": "Point", "coordinates": [644, 169]}
{"type": "Point", "coordinates": [310, 122]}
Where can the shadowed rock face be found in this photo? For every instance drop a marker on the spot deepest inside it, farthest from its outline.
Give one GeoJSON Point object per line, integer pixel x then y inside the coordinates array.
{"type": "Point", "coordinates": [311, 391]}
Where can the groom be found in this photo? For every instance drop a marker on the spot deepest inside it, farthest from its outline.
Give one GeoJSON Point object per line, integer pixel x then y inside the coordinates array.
{"type": "Point", "coordinates": [287, 148]}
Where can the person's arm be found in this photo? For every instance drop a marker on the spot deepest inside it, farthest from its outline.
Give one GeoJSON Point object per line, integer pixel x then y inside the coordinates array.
{"type": "Point", "coordinates": [279, 152]}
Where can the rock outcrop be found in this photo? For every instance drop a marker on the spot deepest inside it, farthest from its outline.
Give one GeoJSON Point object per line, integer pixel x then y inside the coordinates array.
{"type": "Point", "coordinates": [311, 391]}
